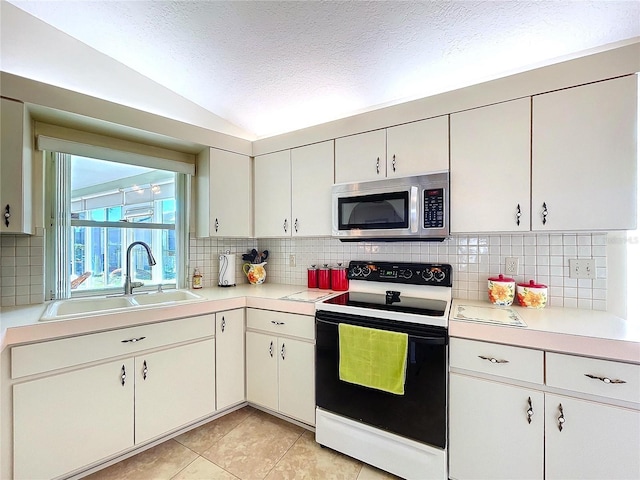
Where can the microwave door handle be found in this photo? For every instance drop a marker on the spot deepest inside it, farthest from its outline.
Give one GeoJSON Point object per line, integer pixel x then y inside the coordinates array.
{"type": "Point", "coordinates": [413, 209]}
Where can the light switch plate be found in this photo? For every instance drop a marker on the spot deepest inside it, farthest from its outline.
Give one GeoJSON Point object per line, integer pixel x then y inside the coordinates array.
{"type": "Point", "coordinates": [582, 268]}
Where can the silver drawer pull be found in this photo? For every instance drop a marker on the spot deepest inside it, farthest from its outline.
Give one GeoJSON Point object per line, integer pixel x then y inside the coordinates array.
{"type": "Point", "coordinates": [133, 340]}
{"type": "Point", "coordinates": [492, 360]}
{"type": "Point", "coordinates": [560, 418]}
{"type": "Point", "coordinates": [604, 379]}
{"type": "Point", "coordinates": [277, 323]}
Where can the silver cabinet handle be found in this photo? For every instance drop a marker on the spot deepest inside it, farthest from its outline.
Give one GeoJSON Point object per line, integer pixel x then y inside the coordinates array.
{"type": "Point", "coordinates": [271, 349]}
{"type": "Point", "coordinates": [133, 340]}
{"type": "Point", "coordinates": [605, 379]}
{"type": "Point", "coordinates": [529, 411]}
{"type": "Point", "coordinates": [282, 351]}
{"type": "Point", "coordinates": [217, 224]}
{"type": "Point", "coordinates": [145, 370]}
{"type": "Point", "coordinates": [518, 215]}
{"type": "Point", "coordinates": [492, 360]}
{"type": "Point", "coordinates": [224, 324]}
{"type": "Point", "coordinates": [393, 163]}
{"type": "Point", "coordinates": [378, 165]}
{"type": "Point", "coordinates": [7, 215]}
{"type": "Point", "coordinates": [277, 323]}
{"type": "Point", "coordinates": [123, 375]}
{"type": "Point", "coordinates": [295, 225]}
{"type": "Point", "coordinates": [285, 225]}
{"type": "Point", "coordinates": [545, 212]}
{"type": "Point", "coordinates": [560, 418]}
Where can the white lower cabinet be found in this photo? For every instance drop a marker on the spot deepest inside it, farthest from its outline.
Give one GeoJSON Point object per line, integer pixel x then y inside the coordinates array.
{"type": "Point", "coordinates": [489, 430]}
{"type": "Point", "coordinates": [66, 421]}
{"type": "Point", "coordinates": [585, 416]}
{"type": "Point", "coordinates": [173, 387]}
{"type": "Point", "coordinates": [280, 370]}
{"type": "Point", "coordinates": [230, 358]}
{"type": "Point", "coordinates": [597, 441]}
{"type": "Point", "coordinates": [78, 415]}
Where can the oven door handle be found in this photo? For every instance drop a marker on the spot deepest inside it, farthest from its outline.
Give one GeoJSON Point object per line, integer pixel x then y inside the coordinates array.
{"type": "Point", "coordinates": [424, 339]}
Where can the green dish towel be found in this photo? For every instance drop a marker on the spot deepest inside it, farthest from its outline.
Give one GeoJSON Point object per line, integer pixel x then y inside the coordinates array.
{"type": "Point", "coordinates": [373, 358]}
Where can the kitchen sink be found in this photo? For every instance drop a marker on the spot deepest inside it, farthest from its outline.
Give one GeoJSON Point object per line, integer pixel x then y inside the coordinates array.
{"type": "Point", "coordinates": [98, 305]}
{"type": "Point", "coordinates": [170, 296]}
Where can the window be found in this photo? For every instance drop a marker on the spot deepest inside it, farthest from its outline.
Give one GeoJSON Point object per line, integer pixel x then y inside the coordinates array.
{"type": "Point", "coordinates": [99, 208]}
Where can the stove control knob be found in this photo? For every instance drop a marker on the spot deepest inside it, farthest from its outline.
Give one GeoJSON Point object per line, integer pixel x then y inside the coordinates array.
{"type": "Point", "coordinates": [438, 274]}
{"type": "Point", "coordinates": [427, 275]}
{"type": "Point", "coordinates": [356, 271]}
{"type": "Point", "coordinates": [366, 270]}
{"type": "Point", "coordinates": [406, 273]}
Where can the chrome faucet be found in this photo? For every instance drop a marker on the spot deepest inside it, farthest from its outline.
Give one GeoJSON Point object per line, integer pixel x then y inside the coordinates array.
{"type": "Point", "coordinates": [128, 284]}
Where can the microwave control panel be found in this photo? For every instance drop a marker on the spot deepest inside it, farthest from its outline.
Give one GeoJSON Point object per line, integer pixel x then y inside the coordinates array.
{"type": "Point", "coordinates": [433, 208]}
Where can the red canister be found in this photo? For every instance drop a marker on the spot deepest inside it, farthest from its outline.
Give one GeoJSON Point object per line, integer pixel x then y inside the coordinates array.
{"type": "Point", "coordinates": [324, 278]}
{"type": "Point", "coordinates": [312, 277]}
{"type": "Point", "coordinates": [339, 280]}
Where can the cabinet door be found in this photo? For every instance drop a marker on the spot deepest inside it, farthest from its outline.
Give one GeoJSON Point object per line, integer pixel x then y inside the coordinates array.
{"type": "Point", "coordinates": [311, 181]}
{"type": "Point", "coordinates": [66, 421]}
{"type": "Point", "coordinates": [224, 195]}
{"type": "Point", "coordinates": [490, 168]}
{"type": "Point", "coordinates": [585, 157]}
{"type": "Point", "coordinates": [418, 147]}
{"type": "Point", "coordinates": [489, 432]}
{"type": "Point", "coordinates": [262, 370]}
{"type": "Point", "coordinates": [361, 157]}
{"type": "Point", "coordinates": [229, 358]}
{"type": "Point", "coordinates": [597, 441]}
{"type": "Point", "coordinates": [15, 168]}
{"type": "Point", "coordinates": [273, 195]}
{"type": "Point", "coordinates": [297, 380]}
{"type": "Point", "coordinates": [173, 388]}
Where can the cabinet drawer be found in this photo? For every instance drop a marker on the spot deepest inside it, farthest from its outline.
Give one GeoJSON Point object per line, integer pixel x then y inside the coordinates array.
{"type": "Point", "coordinates": [280, 323]}
{"type": "Point", "coordinates": [572, 373]}
{"type": "Point", "coordinates": [66, 352]}
{"type": "Point", "coordinates": [504, 361]}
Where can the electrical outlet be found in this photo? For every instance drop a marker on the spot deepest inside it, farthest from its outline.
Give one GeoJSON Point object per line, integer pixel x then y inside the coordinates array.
{"type": "Point", "coordinates": [511, 265]}
{"type": "Point", "coordinates": [292, 260]}
{"type": "Point", "coordinates": [582, 268]}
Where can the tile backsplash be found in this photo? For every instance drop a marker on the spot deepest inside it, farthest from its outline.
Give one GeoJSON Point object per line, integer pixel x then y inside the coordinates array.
{"type": "Point", "coordinates": [543, 257]}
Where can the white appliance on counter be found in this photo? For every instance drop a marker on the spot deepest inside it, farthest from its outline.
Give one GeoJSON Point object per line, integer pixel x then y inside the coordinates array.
{"type": "Point", "coordinates": [403, 433]}
{"type": "Point", "coordinates": [227, 270]}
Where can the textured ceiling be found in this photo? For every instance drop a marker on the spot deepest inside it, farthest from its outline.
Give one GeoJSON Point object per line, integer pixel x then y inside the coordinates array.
{"type": "Point", "coordinates": [273, 66]}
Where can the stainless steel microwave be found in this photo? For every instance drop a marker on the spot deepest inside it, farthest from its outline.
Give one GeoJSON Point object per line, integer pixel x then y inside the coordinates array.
{"type": "Point", "coordinates": [407, 208]}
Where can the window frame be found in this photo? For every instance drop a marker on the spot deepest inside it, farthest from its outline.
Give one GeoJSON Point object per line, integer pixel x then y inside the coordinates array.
{"type": "Point", "coordinates": [52, 258]}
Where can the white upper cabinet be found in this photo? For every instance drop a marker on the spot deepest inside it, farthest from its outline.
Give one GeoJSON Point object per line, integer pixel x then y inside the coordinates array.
{"type": "Point", "coordinates": [585, 157]}
{"type": "Point", "coordinates": [361, 157]}
{"type": "Point", "coordinates": [311, 181]}
{"type": "Point", "coordinates": [293, 192]}
{"type": "Point", "coordinates": [15, 168]}
{"type": "Point", "coordinates": [490, 168]}
{"type": "Point", "coordinates": [419, 147]}
{"type": "Point", "coordinates": [223, 194]}
{"type": "Point", "coordinates": [273, 194]}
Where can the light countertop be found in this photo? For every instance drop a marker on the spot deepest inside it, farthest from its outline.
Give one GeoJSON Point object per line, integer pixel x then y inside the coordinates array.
{"type": "Point", "coordinates": [575, 331]}
{"type": "Point", "coordinates": [23, 325]}
{"type": "Point", "coordinates": [567, 330]}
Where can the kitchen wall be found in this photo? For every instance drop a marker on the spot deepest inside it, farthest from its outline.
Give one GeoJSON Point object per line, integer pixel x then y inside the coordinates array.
{"type": "Point", "coordinates": [543, 257]}
{"type": "Point", "coordinates": [22, 269]}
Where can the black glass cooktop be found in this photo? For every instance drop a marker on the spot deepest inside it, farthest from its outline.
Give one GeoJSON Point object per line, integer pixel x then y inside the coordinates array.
{"type": "Point", "coordinates": [391, 302]}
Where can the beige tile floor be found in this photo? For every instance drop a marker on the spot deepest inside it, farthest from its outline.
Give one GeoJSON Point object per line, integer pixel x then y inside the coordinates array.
{"type": "Point", "coordinates": [246, 444]}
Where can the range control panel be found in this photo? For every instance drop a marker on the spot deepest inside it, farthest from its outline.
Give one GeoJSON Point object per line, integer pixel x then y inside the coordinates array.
{"type": "Point", "coordinates": [438, 274]}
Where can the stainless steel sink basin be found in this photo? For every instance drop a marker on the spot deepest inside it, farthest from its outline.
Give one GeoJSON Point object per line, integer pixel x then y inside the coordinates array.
{"type": "Point", "coordinates": [169, 296]}
{"type": "Point", "coordinates": [97, 305]}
